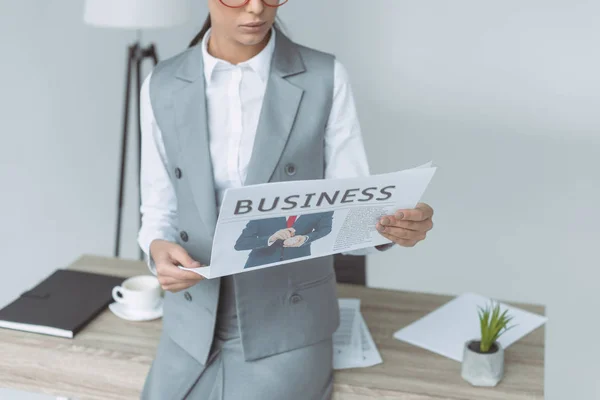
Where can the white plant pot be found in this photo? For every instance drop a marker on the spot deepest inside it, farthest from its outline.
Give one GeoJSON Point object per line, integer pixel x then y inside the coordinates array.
{"type": "Point", "coordinates": [482, 369]}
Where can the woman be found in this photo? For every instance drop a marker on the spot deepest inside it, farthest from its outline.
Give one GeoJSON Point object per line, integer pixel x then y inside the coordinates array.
{"type": "Point", "coordinates": [245, 105]}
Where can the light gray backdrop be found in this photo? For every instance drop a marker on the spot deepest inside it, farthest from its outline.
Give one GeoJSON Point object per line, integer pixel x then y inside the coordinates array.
{"type": "Point", "coordinates": [502, 96]}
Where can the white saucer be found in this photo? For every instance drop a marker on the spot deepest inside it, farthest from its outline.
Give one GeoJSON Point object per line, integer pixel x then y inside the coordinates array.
{"type": "Point", "coordinates": [121, 311]}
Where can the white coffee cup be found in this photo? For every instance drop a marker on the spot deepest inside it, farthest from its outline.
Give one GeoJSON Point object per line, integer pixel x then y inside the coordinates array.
{"type": "Point", "coordinates": [142, 292]}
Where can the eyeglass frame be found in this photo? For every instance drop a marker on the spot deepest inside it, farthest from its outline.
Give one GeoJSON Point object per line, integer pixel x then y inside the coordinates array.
{"type": "Point", "coordinates": [248, 1]}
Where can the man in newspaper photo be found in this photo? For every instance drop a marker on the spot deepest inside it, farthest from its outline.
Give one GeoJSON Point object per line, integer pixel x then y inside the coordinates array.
{"type": "Point", "coordinates": [280, 238]}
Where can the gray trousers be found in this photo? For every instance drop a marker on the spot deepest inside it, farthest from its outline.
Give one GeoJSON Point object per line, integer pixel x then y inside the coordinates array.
{"type": "Point", "coordinates": [301, 374]}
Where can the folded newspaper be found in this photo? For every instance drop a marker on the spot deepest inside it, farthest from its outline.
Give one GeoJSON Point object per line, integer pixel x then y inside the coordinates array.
{"type": "Point", "coordinates": [271, 224]}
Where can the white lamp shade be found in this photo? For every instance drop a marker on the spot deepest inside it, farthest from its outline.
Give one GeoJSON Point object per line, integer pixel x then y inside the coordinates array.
{"type": "Point", "coordinates": [136, 14]}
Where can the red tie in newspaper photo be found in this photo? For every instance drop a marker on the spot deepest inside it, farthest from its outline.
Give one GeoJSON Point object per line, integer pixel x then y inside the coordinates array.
{"type": "Point", "coordinates": [291, 220]}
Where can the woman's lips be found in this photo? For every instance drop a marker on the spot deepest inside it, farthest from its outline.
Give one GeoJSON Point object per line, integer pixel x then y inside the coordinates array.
{"type": "Point", "coordinates": [252, 27]}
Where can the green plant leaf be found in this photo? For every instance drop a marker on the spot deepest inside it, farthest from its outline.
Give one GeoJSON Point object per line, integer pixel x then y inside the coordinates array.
{"type": "Point", "coordinates": [493, 323]}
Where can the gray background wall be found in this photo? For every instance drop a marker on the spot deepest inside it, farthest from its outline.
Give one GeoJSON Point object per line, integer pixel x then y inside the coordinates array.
{"type": "Point", "coordinates": [501, 96]}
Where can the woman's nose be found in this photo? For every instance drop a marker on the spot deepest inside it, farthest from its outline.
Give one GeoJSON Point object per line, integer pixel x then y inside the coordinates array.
{"type": "Point", "coordinates": [255, 6]}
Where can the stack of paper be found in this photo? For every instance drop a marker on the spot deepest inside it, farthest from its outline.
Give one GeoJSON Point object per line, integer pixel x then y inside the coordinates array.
{"type": "Point", "coordinates": [353, 345]}
{"type": "Point", "coordinates": [445, 330]}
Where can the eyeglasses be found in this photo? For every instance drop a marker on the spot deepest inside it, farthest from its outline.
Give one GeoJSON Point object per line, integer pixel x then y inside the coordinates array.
{"type": "Point", "coordinates": [242, 3]}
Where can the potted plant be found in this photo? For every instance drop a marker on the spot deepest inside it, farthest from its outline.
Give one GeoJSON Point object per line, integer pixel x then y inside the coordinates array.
{"type": "Point", "coordinates": [483, 359]}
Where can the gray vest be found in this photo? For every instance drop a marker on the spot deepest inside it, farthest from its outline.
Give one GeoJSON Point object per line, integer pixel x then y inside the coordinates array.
{"type": "Point", "coordinates": [279, 308]}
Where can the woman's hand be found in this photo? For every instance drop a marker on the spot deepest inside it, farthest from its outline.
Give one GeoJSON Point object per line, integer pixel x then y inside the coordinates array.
{"type": "Point", "coordinates": [407, 227]}
{"type": "Point", "coordinates": [167, 257]}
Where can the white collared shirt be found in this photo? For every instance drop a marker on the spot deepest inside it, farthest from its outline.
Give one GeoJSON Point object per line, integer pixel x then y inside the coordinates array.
{"type": "Point", "coordinates": [234, 96]}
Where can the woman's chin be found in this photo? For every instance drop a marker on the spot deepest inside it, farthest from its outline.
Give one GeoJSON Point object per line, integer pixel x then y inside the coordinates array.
{"type": "Point", "coordinates": [251, 38]}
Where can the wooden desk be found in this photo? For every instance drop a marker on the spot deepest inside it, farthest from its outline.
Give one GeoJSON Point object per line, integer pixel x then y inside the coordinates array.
{"type": "Point", "coordinates": [110, 358]}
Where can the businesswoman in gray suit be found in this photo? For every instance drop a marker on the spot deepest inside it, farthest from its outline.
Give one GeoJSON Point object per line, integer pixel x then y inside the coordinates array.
{"type": "Point", "coordinates": [245, 105]}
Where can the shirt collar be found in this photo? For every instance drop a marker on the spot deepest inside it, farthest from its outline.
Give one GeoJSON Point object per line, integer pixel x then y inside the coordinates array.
{"type": "Point", "coordinates": [260, 63]}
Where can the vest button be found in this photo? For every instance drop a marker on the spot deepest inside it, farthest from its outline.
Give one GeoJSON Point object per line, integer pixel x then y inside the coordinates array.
{"type": "Point", "coordinates": [296, 298]}
{"type": "Point", "coordinates": [187, 296]}
{"type": "Point", "coordinates": [177, 173]}
{"type": "Point", "coordinates": [290, 169]}
{"type": "Point", "coordinates": [184, 236]}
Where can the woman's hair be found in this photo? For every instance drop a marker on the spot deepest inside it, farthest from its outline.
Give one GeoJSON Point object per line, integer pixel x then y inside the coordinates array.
{"type": "Point", "coordinates": [198, 38]}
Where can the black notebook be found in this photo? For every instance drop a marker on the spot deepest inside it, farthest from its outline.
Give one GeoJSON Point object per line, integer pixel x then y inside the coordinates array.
{"type": "Point", "coordinates": [60, 305]}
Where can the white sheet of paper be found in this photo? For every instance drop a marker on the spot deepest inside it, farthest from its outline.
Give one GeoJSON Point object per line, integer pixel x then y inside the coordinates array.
{"type": "Point", "coordinates": [370, 354]}
{"type": "Point", "coordinates": [446, 329]}
{"type": "Point", "coordinates": [346, 339]}
{"type": "Point", "coordinates": [362, 352]}
{"type": "Point", "coordinates": [347, 345]}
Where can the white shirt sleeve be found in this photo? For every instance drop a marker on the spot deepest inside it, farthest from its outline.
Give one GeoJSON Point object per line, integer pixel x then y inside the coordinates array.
{"type": "Point", "coordinates": [345, 155]}
{"type": "Point", "coordinates": [158, 200]}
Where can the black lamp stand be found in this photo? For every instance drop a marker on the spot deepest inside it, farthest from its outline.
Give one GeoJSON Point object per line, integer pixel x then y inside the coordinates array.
{"type": "Point", "coordinates": [136, 56]}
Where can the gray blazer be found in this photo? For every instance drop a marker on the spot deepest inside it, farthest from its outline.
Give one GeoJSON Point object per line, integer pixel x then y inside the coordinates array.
{"type": "Point", "coordinates": [280, 308]}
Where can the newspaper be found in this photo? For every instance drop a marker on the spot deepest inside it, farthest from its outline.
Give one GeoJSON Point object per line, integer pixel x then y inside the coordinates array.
{"type": "Point", "coordinates": [353, 329]}
{"type": "Point", "coordinates": [370, 353]}
{"type": "Point", "coordinates": [347, 344]}
{"type": "Point", "coordinates": [271, 224]}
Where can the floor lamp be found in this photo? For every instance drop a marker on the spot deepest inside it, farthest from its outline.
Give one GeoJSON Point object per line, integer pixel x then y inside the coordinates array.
{"type": "Point", "coordinates": [134, 15]}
